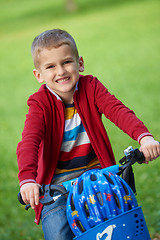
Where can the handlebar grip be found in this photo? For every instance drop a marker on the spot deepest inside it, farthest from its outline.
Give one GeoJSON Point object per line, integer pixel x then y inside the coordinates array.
{"type": "Point", "coordinates": [41, 192]}
{"type": "Point", "coordinates": [27, 206]}
{"type": "Point", "coordinates": [20, 199]}
{"type": "Point", "coordinates": [139, 156]}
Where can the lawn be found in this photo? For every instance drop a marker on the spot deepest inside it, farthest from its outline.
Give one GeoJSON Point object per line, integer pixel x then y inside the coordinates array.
{"type": "Point", "coordinates": [119, 41]}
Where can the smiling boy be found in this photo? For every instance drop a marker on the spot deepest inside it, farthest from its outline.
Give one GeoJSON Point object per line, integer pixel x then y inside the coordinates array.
{"type": "Point", "coordinates": [63, 134]}
{"type": "Point", "coordinates": [63, 61]}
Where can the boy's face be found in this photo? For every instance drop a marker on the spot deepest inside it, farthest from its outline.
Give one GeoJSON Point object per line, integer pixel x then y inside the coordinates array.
{"type": "Point", "coordinates": [59, 68]}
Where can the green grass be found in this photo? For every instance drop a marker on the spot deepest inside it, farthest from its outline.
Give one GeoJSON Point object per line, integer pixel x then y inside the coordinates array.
{"type": "Point", "coordinates": [119, 41]}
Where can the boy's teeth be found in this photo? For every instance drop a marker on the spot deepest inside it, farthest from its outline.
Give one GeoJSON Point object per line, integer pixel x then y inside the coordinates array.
{"type": "Point", "coordinates": [63, 80]}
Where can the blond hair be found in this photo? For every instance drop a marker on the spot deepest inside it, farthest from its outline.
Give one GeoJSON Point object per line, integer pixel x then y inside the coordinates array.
{"type": "Point", "coordinates": [49, 39]}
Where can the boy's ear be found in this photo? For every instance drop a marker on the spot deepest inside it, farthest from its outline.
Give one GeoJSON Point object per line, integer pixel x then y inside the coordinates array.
{"type": "Point", "coordinates": [37, 75]}
{"type": "Point", "coordinates": [81, 64]}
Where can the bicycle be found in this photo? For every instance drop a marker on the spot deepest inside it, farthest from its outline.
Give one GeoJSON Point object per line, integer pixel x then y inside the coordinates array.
{"type": "Point", "coordinates": [127, 224]}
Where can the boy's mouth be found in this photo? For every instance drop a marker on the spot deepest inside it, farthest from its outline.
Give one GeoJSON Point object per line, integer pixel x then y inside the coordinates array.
{"type": "Point", "coordinates": [61, 80]}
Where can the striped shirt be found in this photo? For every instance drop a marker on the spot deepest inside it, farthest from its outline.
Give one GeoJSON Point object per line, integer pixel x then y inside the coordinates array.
{"type": "Point", "coordinates": [77, 154]}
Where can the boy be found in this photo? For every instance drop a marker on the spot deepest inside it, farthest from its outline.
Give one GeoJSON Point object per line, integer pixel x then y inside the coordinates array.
{"type": "Point", "coordinates": [63, 134]}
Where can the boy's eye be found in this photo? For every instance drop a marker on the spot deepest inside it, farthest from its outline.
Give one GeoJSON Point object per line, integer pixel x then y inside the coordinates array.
{"type": "Point", "coordinates": [50, 66]}
{"type": "Point", "coordinates": [68, 61]}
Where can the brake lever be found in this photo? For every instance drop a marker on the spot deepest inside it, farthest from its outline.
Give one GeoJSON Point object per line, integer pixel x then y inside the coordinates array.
{"type": "Point", "coordinates": [131, 157]}
{"type": "Point", "coordinates": [49, 190]}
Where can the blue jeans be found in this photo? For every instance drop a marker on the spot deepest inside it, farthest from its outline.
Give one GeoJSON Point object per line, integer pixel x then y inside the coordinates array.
{"type": "Point", "coordinates": [54, 221]}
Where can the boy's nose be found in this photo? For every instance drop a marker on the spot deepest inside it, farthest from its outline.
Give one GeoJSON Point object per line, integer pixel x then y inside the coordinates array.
{"type": "Point", "coordinates": [61, 70]}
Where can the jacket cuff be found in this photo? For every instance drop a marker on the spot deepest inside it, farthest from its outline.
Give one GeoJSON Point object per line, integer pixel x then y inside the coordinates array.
{"type": "Point", "coordinates": [143, 135]}
{"type": "Point", "coordinates": [27, 181]}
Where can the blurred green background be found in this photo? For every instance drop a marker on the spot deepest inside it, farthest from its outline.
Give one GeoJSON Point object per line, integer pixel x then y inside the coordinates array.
{"type": "Point", "coordinates": [120, 43]}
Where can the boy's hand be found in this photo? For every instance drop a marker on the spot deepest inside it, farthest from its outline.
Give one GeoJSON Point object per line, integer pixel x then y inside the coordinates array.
{"type": "Point", "coordinates": [30, 194]}
{"type": "Point", "coordinates": [150, 148]}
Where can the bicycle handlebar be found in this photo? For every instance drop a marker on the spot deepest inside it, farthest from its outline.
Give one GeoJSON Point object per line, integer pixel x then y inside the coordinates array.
{"type": "Point", "coordinates": [46, 192]}
{"type": "Point", "coordinates": [131, 157]}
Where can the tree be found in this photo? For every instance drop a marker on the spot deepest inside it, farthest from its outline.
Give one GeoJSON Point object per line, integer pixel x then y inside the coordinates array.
{"type": "Point", "coordinates": [71, 5]}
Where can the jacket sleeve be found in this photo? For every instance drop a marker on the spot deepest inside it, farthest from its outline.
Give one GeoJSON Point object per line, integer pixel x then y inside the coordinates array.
{"type": "Point", "coordinates": [28, 148]}
{"type": "Point", "coordinates": [118, 113]}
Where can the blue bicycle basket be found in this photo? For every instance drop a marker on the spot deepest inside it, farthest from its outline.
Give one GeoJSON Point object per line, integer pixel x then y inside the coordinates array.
{"type": "Point", "coordinates": [96, 197]}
